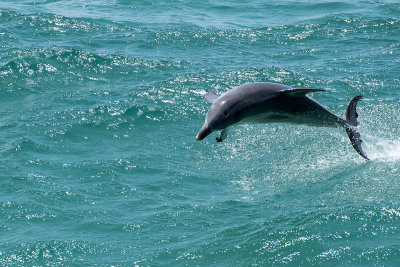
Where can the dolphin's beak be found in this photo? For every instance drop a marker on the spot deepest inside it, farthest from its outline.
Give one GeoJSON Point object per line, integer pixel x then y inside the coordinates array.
{"type": "Point", "coordinates": [204, 131]}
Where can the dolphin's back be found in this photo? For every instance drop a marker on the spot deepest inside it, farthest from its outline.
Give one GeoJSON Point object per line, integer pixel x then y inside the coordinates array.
{"type": "Point", "coordinates": [271, 102]}
{"type": "Point", "coordinates": [256, 92]}
{"type": "Point", "coordinates": [251, 98]}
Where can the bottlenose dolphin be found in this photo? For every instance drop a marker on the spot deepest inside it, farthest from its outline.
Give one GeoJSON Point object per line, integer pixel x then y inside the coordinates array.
{"type": "Point", "coordinates": [265, 102]}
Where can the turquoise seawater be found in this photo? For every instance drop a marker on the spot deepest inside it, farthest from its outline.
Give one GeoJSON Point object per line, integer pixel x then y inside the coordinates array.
{"type": "Point", "coordinates": [100, 103]}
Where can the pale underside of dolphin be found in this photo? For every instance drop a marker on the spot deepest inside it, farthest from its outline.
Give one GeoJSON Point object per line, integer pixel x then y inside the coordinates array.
{"type": "Point", "coordinates": [271, 102]}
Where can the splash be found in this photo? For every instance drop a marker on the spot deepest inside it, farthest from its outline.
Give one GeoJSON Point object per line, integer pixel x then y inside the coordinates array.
{"type": "Point", "coordinates": [382, 149]}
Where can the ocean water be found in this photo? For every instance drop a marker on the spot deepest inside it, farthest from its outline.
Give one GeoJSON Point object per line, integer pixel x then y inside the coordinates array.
{"type": "Point", "coordinates": [101, 102]}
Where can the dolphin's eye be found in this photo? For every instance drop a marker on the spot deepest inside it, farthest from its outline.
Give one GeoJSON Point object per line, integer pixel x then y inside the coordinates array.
{"type": "Point", "coordinates": [225, 114]}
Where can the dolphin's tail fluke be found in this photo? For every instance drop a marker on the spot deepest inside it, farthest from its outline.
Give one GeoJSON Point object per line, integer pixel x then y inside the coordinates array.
{"type": "Point", "coordinates": [351, 127]}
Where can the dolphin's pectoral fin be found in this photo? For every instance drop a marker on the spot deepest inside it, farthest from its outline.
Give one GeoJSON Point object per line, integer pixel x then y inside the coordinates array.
{"type": "Point", "coordinates": [211, 97]}
{"type": "Point", "coordinates": [301, 91]}
{"type": "Point", "coordinates": [223, 135]}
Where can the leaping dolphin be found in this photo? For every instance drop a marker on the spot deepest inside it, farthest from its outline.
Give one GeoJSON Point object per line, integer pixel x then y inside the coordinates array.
{"type": "Point", "coordinates": [265, 102]}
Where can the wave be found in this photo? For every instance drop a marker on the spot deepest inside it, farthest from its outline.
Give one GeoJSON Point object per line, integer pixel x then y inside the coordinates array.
{"type": "Point", "coordinates": [49, 69]}
{"type": "Point", "coordinates": [53, 252]}
{"type": "Point", "coordinates": [66, 60]}
{"type": "Point", "coordinates": [91, 32]}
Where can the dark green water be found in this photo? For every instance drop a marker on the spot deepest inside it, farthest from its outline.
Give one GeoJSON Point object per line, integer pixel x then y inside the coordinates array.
{"type": "Point", "coordinates": [101, 102]}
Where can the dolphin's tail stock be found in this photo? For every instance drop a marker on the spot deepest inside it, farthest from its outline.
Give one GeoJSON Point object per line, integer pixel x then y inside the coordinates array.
{"type": "Point", "coordinates": [351, 127]}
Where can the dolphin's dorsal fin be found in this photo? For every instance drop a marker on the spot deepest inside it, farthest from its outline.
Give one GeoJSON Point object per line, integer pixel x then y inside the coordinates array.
{"type": "Point", "coordinates": [301, 91]}
{"type": "Point", "coordinates": [211, 96]}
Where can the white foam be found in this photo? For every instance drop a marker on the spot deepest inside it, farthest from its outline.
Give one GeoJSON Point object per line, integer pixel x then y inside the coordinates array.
{"type": "Point", "coordinates": [381, 149]}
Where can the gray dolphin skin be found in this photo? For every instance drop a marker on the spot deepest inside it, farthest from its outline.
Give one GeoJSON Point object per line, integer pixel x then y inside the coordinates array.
{"type": "Point", "coordinates": [266, 102]}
